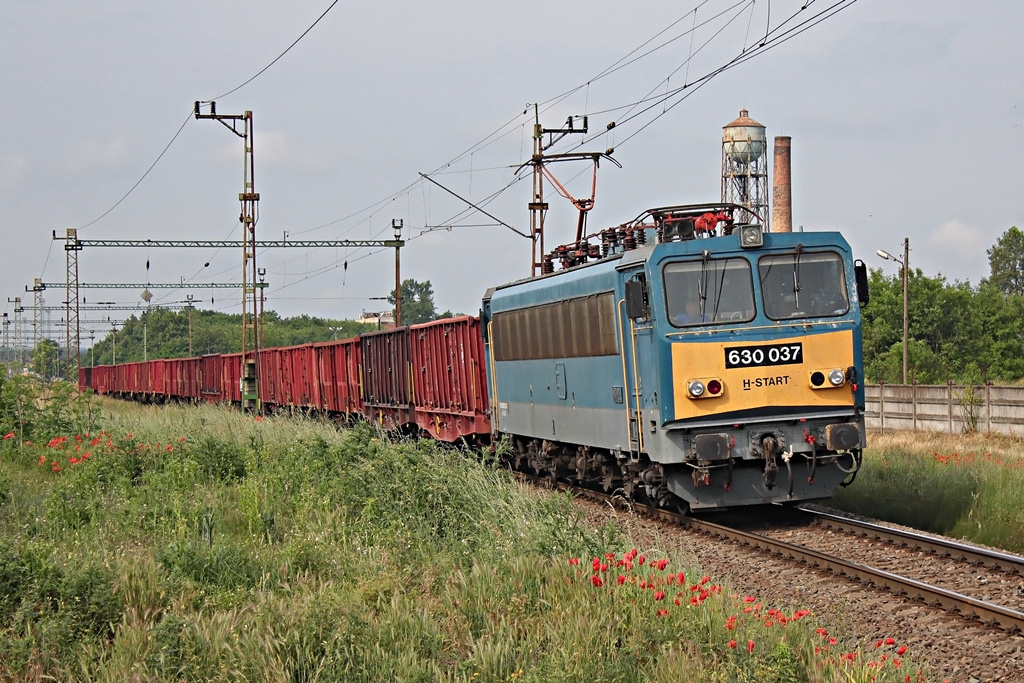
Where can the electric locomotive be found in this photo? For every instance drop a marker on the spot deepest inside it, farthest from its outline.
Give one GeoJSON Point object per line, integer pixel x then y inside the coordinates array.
{"type": "Point", "coordinates": [687, 360]}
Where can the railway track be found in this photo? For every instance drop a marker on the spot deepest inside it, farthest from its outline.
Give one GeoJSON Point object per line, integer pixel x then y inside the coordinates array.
{"type": "Point", "coordinates": [971, 608]}
{"type": "Point", "coordinates": [982, 611]}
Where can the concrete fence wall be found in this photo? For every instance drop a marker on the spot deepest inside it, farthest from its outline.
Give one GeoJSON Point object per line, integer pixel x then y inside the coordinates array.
{"type": "Point", "coordinates": [948, 408]}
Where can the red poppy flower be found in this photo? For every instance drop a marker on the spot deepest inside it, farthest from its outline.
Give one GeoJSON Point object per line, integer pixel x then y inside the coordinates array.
{"type": "Point", "coordinates": [902, 651]}
{"type": "Point", "coordinates": [749, 598]}
{"type": "Point", "coordinates": [663, 612]}
{"type": "Point", "coordinates": [621, 579]}
{"type": "Point", "coordinates": [732, 644]}
{"type": "Point", "coordinates": [597, 581]}
{"type": "Point", "coordinates": [9, 435]}
{"type": "Point", "coordinates": [890, 641]}
{"type": "Point", "coordinates": [640, 560]}
{"type": "Point", "coordinates": [660, 595]}
{"type": "Point", "coordinates": [662, 564]}
{"type": "Point", "coordinates": [574, 560]}
{"type": "Point", "coordinates": [750, 646]}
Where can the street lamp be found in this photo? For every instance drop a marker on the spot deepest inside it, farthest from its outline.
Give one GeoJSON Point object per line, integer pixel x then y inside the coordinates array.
{"type": "Point", "coordinates": [396, 225]}
{"type": "Point", "coordinates": [113, 341]}
{"type": "Point", "coordinates": [904, 267]}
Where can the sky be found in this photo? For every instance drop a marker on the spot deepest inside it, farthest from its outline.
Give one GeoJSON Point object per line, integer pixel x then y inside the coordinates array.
{"type": "Point", "coordinates": [905, 120]}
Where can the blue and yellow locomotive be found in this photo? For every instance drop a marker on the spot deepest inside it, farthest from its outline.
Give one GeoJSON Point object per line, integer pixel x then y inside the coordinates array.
{"type": "Point", "coordinates": [687, 359]}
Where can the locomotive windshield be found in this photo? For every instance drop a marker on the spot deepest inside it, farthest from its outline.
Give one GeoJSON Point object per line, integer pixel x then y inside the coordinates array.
{"type": "Point", "coordinates": [709, 291]}
{"type": "Point", "coordinates": [803, 285]}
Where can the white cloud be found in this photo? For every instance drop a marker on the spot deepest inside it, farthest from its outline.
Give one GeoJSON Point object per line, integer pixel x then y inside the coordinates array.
{"type": "Point", "coordinates": [90, 155]}
{"type": "Point", "coordinates": [12, 169]}
{"type": "Point", "coordinates": [272, 149]}
{"type": "Point", "coordinates": [953, 242]}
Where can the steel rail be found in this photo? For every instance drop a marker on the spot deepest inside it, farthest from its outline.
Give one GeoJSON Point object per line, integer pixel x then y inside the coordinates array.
{"type": "Point", "coordinates": [941, 547]}
{"type": "Point", "coordinates": [969, 608]}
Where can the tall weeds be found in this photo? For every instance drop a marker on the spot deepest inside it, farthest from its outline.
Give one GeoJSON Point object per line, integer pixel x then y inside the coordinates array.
{"type": "Point", "coordinates": [966, 486]}
{"type": "Point", "coordinates": [201, 544]}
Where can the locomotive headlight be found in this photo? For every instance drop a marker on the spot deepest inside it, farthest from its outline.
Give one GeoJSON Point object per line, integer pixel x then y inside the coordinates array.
{"type": "Point", "coordinates": [705, 388]}
{"type": "Point", "coordinates": [751, 236]}
{"type": "Point", "coordinates": [827, 379]}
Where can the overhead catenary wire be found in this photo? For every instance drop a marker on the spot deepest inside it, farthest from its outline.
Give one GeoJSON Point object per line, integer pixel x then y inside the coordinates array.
{"type": "Point", "coordinates": [191, 111]}
{"type": "Point", "coordinates": [623, 62]}
{"type": "Point", "coordinates": [668, 98]}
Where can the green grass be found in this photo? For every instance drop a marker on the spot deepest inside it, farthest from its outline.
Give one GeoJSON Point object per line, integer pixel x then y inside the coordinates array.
{"type": "Point", "coordinates": [966, 487]}
{"type": "Point", "coordinates": [197, 544]}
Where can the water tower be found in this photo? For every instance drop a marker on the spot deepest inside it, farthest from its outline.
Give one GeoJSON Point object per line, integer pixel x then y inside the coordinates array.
{"type": "Point", "coordinates": [745, 168]}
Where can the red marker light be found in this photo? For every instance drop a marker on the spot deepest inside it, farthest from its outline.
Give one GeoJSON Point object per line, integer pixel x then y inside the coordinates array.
{"type": "Point", "coordinates": [714, 387]}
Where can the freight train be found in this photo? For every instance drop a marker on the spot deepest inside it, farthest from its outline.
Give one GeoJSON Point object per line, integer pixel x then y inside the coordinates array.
{"type": "Point", "coordinates": [683, 358]}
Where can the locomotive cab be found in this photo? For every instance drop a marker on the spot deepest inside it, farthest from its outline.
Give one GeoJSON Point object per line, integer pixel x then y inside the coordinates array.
{"type": "Point", "coordinates": [750, 358]}
{"type": "Point", "coordinates": [696, 363]}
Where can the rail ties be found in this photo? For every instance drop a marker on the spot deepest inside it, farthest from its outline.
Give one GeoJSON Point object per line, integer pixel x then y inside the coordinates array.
{"type": "Point", "coordinates": [971, 609]}
{"type": "Point", "coordinates": [940, 547]}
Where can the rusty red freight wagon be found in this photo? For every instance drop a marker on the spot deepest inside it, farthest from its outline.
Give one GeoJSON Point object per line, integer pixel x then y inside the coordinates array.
{"type": "Point", "coordinates": [387, 378]}
{"type": "Point", "coordinates": [449, 379]}
{"type": "Point", "coordinates": [339, 365]}
{"type": "Point", "coordinates": [211, 378]}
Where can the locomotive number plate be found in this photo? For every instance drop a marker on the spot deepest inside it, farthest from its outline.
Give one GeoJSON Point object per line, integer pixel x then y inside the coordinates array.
{"type": "Point", "coordinates": [760, 356]}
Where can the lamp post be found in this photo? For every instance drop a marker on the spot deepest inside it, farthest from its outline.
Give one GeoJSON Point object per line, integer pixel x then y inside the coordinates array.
{"type": "Point", "coordinates": [396, 224]}
{"type": "Point", "coordinates": [904, 267]}
{"type": "Point", "coordinates": [113, 342]}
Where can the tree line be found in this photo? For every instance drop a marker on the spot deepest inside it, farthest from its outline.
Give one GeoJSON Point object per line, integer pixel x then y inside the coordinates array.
{"type": "Point", "coordinates": [958, 332]}
{"type": "Point", "coordinates": [160, 333]}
